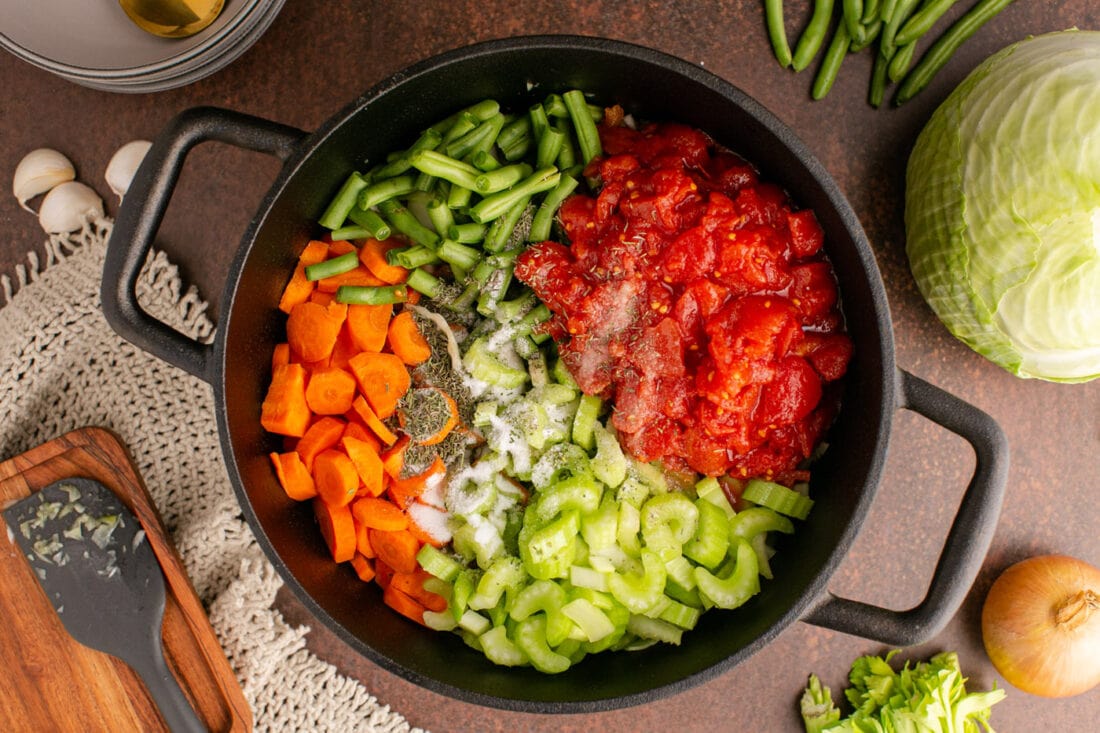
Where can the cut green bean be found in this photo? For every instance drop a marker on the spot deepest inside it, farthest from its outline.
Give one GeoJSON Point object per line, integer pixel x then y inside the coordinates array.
{"type": "Point", "coordinates": [458, 255]}
{"type": "Point", "coordinates": [777, 31]}
{"type": "Point", "coordinates": [539, 120]}
{"type": "Point", "coordinates": [501, 231]}
{"type": "Point", "coordinates": [467, 232]}
{"type": "Point", "coordinates": [873, 32]}
{"type": "Point", "coordinates": [830, 64]}
{"type": "Point", "coordinates": [335, 266]}
{"type": "Point", "coordinates": [548, 208]}
{"type": "Point", "coordinates": [443, 166]}
{"type": "Point", "coordinates": [946, 45]}
{"type": "Point", "coordinates": [514, 131]}
{"type": "Point", "coordinates": [549, 147]}
{"type": "Point", "coordinates": [813, 36]}
{"type": "Point", "coordinates": [555, 106]}
{"type": "Point", "coordinates": [899, 64]}
{"type": "Point", "coordinates": [922, 21]}
{"type": "Point", "coordinates": [401, 219]}
{"type": "Point", "coordinates": [371, 294]}
{"type": "Point", "coordinates": [588, 137]}
{"type": "Point", "coordinates": [901, 12]}
{"type": "Point", "coordinates": [502, 178]}
{"type": "Point", "coordinates": [337, 212]}
{"type": "Point", "coordinates": [353, 231]}
{"type": "Point", "coordinates": [479, 138]}
{"type": "Point", "coordinates": [369, 219]}
{"type": "Point", "coordinates": [424, 282]}
{"type": "Point", "coordinates": [428, 140]}
{"type": "Point", "coordinates": [410, 257]}
{"type": "Point", "coordinates": [385, 190]}
{"type": "Point", "coordinates": [852, 20]}
{"type": "Point", "coordinates": [484, 161]}
{"type": "Point", "coordinates": [441, 216]}
{"type": "Point", "coordinates": [497, 204]}
{"type": "Point", "coordinates": [871, 10]}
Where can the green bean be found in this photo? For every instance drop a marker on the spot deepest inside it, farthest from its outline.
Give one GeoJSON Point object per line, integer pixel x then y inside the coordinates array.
{"type": "Point", "coordinates": [335, 266]}
{"type": "Point", "coordinates": [886, 12]}
{"type": "Point", "coordinates": [549, 147]}
{"type": "Point", "coordinates": [481, 137]}
{"type": "Point", "coordinates": [389, 188]}
{"type": "Point", "coordinates": [401, 219]}
{"type": "Point", "coordinates": [871, 32]}
{"type": "Point", "coordinates": [899, 64]}
{"type": "Point", "coordinates": [371, 294]}
{"type": "Point", "coordinates": [878, 80]}
{"type": "Point", "coordinates": [513, 131]}
{"type": "Point", "coordinates": [354, 231]}
{"type": "Point", "coordinates": [922, 21]}
{"type": "Point", "coordinates": [424, 282]}
{"type": "Point", "coordinates": [555, 106]}
{"type": "Point", "coordinates": [497, 204]}
{"type": "Point", "coordinates": [588, 137]}
{"type": "Point", "coordinates": [343, 201]}
{"type": "Point", "coordinates": [502, 178]}
{"type": "Point", "coordinates": [813, 36]}
{"type": "Point", "coordinates": [440, 214]}
{"type": "Point", "coordinates": [852, 19]}
{"type": "Point", "coordinates": [458, 255]}
{"type": "Point", "coordinates": [830, 65]}
{"type": "Point", "coordinates": [480, 111]}
{"type": "Point", "coordinates": [467, 232]}
{"type": "Point", "coordinates": [777, 31]}
{"type": "Point", "coordinates": [567, 156]}
{"type": "Point", "coordinates": [544, 216]}
{"type": "Point", "coordinates": [485, 161]}
{"type": "Point", "coordinates": [539, 120]}
{"type": "Point", "coordinates": [887, 44]}
{"type": "Point", "coordinates": [871, 9]}
{"type": "Point", "coordinates": [946, 45]}
{"type": "Point", "coordinates": [501, 230]}
{"type": "Point", "coordinates": [428, 140]}
{"type": "Point", "coordinates": [443, 166]}
{"type": "Point", "coordinates": [409, 257]}
{"type": "Point", "coordinates": [368, 219]}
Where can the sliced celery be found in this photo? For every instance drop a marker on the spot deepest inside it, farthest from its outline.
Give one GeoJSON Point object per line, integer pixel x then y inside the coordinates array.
{"type": "Point", "coordinates": [778, 498]}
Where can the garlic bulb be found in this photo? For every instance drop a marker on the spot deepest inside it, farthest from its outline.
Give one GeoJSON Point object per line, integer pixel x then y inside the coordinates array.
{"type": "Point", "coordinates": [38, 172]}
{"type": "Point", "coordinates": [68, 206]}
{"type": "Point", "coordinates": [124, 163]}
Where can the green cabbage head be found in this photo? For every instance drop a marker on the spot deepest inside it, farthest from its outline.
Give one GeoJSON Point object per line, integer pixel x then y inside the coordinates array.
{"type": "Point", "coordinates": [1002, 208]}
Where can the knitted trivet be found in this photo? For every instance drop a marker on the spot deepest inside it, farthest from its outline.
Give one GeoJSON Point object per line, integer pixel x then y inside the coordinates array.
{"type": "Point", "coordinates": [62, 368]}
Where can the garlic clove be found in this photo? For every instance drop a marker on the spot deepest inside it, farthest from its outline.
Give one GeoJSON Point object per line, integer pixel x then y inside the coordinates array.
{"type": "Point", "coordinates": [124, 164]}
{"type": "Point", "coordinates": [68, 207]}
{"type": "Point", "coordinates": [38, 172]}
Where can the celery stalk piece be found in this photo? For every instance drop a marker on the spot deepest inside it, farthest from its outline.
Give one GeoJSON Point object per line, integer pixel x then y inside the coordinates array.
{"type": "Point", "coordinates": [732, 590]}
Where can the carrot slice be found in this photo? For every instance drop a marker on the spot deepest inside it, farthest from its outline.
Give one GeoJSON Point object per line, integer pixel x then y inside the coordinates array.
{"type": "Point", "coordinates": [293, 476]}
{"type": "Point", "coordinates": [405, 339]}
{"type": "Point", "coordinates": [363, 568]}
{"type": "Point", "coordinates": [280, 355]}
{"type": "Point", "coordinates": [397, 549]}
{"type": "Point", "coordinates": [368, 325]}
{"type": "Point", "coordinates": [372, 421]}
{"type": "Point", "coordinates": [330, 391]}
{"type": "Point", "coordinates": [312, 328]}
{"type": "Point", "coordinates": [428, 415]}
{"type": "Point", "coordinates": [428, 524]}
{"type": "Point", "coordinates": [335, 477]}
{"type": "Point", "coordinates": [404, 491]}
{"type": "Point", "coordinates": [378, 513]}
{"type": "Point", "coordinates": [403, 604]}
{"type": "Point", "coordinates": [285, 410]}
{"type": "Point", "coordinates": [337, 528]}
{"type": "Point", "coordinates": [383, 380]}
{"type": "Point", "coordinates": [359, 431]}
{"type": "Point", "coordinates": [412, 585]}
{"type": "Point", "coordinates": [321, 436]}
{"type": "Point", "coordinates": [373, 256]}
{"type": "Point", "coordinates": [341, 247]}
{"type": "Point", "coordinates": [393, 460]}
{"type": "Point", "coordinates": [383, 573]}
{"type": "Point", "coordinates": [367, 463]}
{"type": "Point", "coordinates": [300, 288]}
{"type": "Point", "coordinates": [362, 540]}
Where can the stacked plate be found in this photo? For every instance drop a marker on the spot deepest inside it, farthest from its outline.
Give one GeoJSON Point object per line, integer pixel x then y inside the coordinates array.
{"type": "Point", "coordinates": [96, 45]}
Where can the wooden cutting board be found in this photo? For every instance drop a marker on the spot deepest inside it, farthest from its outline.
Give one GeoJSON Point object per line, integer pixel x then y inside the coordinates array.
{"type": "Point", "coordinates": [54, 683]}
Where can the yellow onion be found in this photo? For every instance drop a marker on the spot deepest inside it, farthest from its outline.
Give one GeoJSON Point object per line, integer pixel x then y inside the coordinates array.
{"type": "Point", "coordinates": [1041, 625]}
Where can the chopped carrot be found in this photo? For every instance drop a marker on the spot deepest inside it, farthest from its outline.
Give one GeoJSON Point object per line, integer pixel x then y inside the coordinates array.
{"type": "Point", "coordinates": [379, 514]}
{"type": "Point", "coordinates": [382, 378]}
{"type": "Point", "coordinates": [300, 288]}
{"type": "Point", "coordinates": [361, 408]}
{"type": "Point", "coordinates": [383, 573]}
{"type": "Point", "coordinates": [312, 328]}
{"type": "Point", "coordinates": [335, 476]}
{"type": "Point", "coordinates": [428, 524]}
{"type": "Point", "coordinates": [404, 491]}
{"type": "Point", "coordinates": [330, 391]}
{"type": "Point", "coordinates": [362, 540]}
{"type": "Point", "coordinates": [359, 431]}
{"type": "Point", "coordinates": [367, 463]}
{"type": "Point", "coordinates": [412, 585]}
{"type": "Point", "coordinates": [406, 341]}
{"type": "Point", "coordinates": [368, 325]}
{"type": "Point", "coordinates": [321, 436]}
{"type": "Point", "coordinates": [435, 413]}
{"type": "Point", "coordinates": [359, 276]}
{"type": "Point", "coordinates": [403, 604]}
{"type": "Point", "coordinates": [343, 349]}
{"type": "Point", "coordinates": [373, 256]}
{"type": "Point", "coordinates": [397, 549]}
{"type": "Point", "coordinates": [341, 247]}
{"type": "Point", "coordinates": [337, 527]}
{"type": "Point", "coordinates": [322, 298]}
{"type": "Point", "coordinates": [280, 355]}
{"type": "Point", "coordinates": [285, 410]}
{"type": "Point", "coordinates": [293, 476]}
{"type": "Point", "coordinates": [393, 460]}
{"type": "Point", "coordinates": [363, 568]}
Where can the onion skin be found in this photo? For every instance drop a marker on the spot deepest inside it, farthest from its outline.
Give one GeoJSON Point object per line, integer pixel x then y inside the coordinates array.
{"type": "Point", "coordinates": [1041, 625]}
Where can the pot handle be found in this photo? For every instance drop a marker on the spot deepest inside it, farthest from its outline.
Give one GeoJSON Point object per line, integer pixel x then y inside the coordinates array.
{"type": "Point", "coordinates": [967, 541]}
{"type": "Point", "coordinates": [141, 213]}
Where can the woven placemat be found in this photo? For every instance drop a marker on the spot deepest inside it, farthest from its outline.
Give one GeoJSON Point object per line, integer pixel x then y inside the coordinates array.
{"type": "Point", "coordinates": [62, 368]}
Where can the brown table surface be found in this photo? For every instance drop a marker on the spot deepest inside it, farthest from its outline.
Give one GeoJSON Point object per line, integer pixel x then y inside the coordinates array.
{"type": "Point", "coordinates": [317, 56]}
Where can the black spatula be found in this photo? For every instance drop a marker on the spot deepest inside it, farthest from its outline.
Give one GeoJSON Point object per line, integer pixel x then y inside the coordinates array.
{"type": "Point", "coordinates": [92, 559]}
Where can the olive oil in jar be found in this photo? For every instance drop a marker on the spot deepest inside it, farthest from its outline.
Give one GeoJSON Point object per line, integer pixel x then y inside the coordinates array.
{"type": "Point", "coordinates": [172, 18]}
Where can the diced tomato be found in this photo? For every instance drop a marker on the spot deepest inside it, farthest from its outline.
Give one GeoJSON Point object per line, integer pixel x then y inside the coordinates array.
{"type": "Point", "coordinates": [813, 291]}
{"type": "Point", "coordinates": [807, 236]}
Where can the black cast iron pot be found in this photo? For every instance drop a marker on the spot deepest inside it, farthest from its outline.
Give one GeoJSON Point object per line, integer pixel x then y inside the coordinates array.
{"type": "Point", "coordinates": [517, 72]}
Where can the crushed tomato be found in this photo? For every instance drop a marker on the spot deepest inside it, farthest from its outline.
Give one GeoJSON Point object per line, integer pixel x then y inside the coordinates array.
{"type": "Point", "coordinates": [696, 298]}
